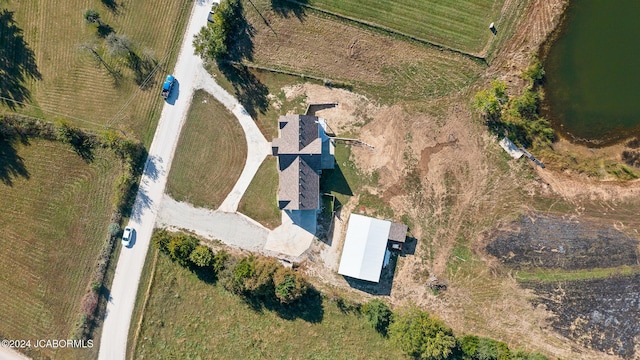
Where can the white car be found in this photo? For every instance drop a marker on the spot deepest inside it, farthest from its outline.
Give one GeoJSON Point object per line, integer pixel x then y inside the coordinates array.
{"type": "Point", "coordinates": [127, 236]}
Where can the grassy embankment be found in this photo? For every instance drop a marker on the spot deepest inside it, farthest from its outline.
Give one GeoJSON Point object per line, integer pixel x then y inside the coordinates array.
{"type": "Point", "coordinates": [210, 155]}
{"type": "Point", "coordinates": [186, 315]}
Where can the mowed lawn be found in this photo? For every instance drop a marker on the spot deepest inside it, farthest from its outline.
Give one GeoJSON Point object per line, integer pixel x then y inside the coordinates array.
{"type": "Point", "coordinates": [260, 201]}
{"type": "Point", "coordinates": [211, 154]}
{"type": "Point", "coordinates": [74, 83]}
{"type": "Point", "coordinates": [188, 318]}
{"type": "Point", "coordinates": [458, 24]}
{"type": "Point", "coordinates": [55, 215]}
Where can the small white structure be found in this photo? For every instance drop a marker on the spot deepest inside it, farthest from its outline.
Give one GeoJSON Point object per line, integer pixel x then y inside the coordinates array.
{"type": "Point", "coordinates": [511, 148]}
{"type": "Point", "coordinates": [492, 26]}
{"type": "Point", "coordinates": [365, 246]}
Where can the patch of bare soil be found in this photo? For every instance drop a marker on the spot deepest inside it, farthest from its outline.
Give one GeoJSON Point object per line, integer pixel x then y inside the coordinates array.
{"type": "Point", "coordinates": [603, 314]}
{"type": "Point", "coordinates": [570, 243]}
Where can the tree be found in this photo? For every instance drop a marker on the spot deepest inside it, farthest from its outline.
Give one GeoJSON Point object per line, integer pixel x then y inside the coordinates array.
{"type": "Point", "coordinates": [118, 45]}
{"type": "Point", "coordinates": [212, 41]}
{"type": "Point", "coordinates": [92, 16]}
{"type": "Point", "coordinates": [235, 280]}
{"type": "Point", "coordinates": [160, 239]}
{"type": "Point", "coordinates": [422, 336]}
{"type": "Point", "coordinates": [219, 262]}
{"type": "Point", "coordinates": [378, 315]}
{"type": "Point", "coordinates": [180, 248]}
{"type": "Point", "coordinates": [260, 283]}
{"type": "Point", "coordinates": [201, 256]}
{"type": "Point", "coordinates": [289, 285]}
{"type": "Point", "coordinates": [534, 73]}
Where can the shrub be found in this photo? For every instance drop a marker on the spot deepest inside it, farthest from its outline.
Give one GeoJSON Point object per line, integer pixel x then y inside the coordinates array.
{"type": "Point", "coordinates": [180, 248]}
{"type": "Point", "coordinates": [89, 304]}
{"type": "Point", "coordinates": [160, 239]}
{"type": "Point", "coordinates": [534, 73]}
{"type": "Point", "coordinates": [114, 229]}
{"type": "Point", "coordinates": [289, 285]}
{"type": "Point", "coordinates": [422, 336]}
{"type": "Point", "coordinates": [244, 269]}
{"type": "Point", "coordinates": [260, 283]}
{"type": "Point", "coordinates": [219, 262]}
{"type": "Point", "coordinates": [378, 315]}
{"type": "Point", "coordinates": [201, 256]}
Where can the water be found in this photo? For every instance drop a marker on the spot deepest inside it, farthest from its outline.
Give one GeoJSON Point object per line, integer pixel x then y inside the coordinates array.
{"type": "Point", "coordinates": [593, 72]}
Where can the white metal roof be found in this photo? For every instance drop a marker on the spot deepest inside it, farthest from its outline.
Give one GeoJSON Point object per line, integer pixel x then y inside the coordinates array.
{"type": "Point", "coordinates": [364, 248]}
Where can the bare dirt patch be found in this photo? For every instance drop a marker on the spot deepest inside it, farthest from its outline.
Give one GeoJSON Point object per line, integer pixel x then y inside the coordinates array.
{"type": "Point", "coordinates": [570, 243]}
{"type": "Point", "coordinates": [601, 313]}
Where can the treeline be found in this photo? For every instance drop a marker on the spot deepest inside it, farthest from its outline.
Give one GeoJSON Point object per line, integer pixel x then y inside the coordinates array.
{"type": "Point", "coordinates": [423, 336]}
{"type": "Point", "coordinates": [214, 40]}
{"type": "Point", "coordinates": [255, 277]}
{"type": "Point", "coordinates": [517, 117]}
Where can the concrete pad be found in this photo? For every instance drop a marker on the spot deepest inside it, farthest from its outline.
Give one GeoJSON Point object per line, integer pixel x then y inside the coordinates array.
{"type": "Point", "coordinates": [296, 233]}
{"type": "Point", "coordinates": [232, 229]}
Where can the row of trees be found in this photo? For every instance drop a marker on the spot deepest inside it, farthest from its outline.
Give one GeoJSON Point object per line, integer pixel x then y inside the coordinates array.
{"type": "Point", "coordinates": [518, 117]}
{"type": "Point", "coordinates": [415, 332]}
{"type": "Point", "coordinates": [423, 336]}
{"type": "Point", "coordinates": [257, 277]}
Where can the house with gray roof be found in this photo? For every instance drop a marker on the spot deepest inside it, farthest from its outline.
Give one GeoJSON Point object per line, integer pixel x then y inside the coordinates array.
{"type": "Point", "coordinates": [303, 150]}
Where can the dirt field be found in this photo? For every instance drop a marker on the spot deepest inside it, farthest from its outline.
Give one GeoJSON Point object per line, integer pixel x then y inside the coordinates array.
{"type": "Point", "coordinates": [600, 313]}
{"type": "Point", "coordinates": [569, 243]}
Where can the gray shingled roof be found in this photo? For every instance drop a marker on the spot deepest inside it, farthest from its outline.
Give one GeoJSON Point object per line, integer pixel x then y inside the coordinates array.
{"type": "Point", "coordinates": [299, 186]}
{"type": "Point", "coordinates": [299, 149]}
{"type": "Point", "coordinates": [299, 134]}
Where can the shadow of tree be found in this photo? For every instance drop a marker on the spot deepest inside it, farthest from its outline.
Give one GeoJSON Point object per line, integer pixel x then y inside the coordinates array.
{"type": "Point", "coordinates": [17, 62]}
{"type": "Point", "coordinates": [248, 89]}
{"type": "Point", "coordinates": [112, 5]}
{"type": "Point", "coordinates": [11, 164]}
{"type": "Point", "coordinates": [286, 8]}
{"type": "Point", "coordinates": [308, 308]}
{"type": "Point", "coordinates": [142, 68]}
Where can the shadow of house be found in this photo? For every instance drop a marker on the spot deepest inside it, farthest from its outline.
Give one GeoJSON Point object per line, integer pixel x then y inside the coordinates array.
{"type": "Point", "coordinates": [11, 164]}
{"type": "Point", "coordinates": [17, 62]}
{"type": "Point", "coordinates": [286, 8]}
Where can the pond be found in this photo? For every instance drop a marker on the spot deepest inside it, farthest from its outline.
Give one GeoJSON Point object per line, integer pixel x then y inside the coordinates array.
{"type": "Point", "coordinates": [592, 82]}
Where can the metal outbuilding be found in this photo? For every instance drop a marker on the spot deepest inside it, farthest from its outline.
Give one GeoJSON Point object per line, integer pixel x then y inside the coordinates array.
{"type": "Point", "coordinates": [365, 246]}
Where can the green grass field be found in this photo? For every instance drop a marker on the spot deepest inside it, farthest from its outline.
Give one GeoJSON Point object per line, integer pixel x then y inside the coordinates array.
{"type": "Point", "coordinates": [459, 24]}
{"type": "Point", "coordinates": [54, 221]}
{"type": "Point", "coordinates": [260, 200]}
{"type": "Point", "coordinates": [210, 156]}
{"type": "Point", "coordinates": [383, 67]}
{"type": "Point", "coordinates": [74, 83]}
{"type": "Point", "coordinates": [187, 317]}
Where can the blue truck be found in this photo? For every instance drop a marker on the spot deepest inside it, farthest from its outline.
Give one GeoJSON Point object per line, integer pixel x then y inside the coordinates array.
{"type": "Point", "coordinates": [167, 86]}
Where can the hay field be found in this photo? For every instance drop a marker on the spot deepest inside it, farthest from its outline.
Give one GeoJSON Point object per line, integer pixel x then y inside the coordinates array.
{"type": "Point", "coordinates": [54, 221]}
{"type": "Point", "coordinates": [457, 24]}
{"type": "Point", "coordinates": [74, 83]}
